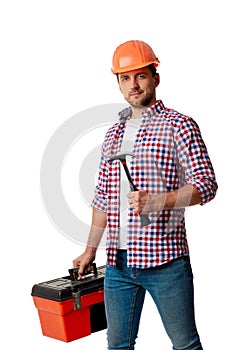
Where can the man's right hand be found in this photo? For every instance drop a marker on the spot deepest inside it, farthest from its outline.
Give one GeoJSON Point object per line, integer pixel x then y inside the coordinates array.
{"type": "Point", "coordinates": [84, 262]}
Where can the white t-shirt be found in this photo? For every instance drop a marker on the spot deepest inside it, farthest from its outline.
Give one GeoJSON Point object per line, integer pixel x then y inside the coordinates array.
{"type": "Point", "coordinates": [132, 127]}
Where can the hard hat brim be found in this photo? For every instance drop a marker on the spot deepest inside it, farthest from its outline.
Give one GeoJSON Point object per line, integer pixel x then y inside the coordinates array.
{"type": "Point", "coordinates": [134, 67]}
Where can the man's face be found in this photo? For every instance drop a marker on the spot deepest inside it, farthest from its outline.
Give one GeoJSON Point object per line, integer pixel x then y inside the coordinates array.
{"type": "Point", "coordinates": [138, 87]}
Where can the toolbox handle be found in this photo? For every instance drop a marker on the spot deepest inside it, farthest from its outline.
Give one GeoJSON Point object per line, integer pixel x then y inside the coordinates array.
{"type": "Point", "coordinates": [74, 272]}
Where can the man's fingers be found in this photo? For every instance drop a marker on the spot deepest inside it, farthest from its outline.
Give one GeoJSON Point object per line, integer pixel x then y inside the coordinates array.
{"type": "Point", "coordinates": [75, 263]}
{"type": "Point", "coordinates": [138, 200]}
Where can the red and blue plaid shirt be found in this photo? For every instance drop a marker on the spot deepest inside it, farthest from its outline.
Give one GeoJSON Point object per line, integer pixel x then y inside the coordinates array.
{"type": "Point", "coordinates": [170, 154]}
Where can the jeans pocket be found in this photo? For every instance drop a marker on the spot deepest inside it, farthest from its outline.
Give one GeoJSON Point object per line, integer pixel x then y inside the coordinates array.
{"type": "Point", "coordinates": [188, 268]}
{"type": "Point", "coordinates": [121, 260]}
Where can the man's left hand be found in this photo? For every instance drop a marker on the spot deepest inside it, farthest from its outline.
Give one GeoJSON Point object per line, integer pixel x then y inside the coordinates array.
{"type": "Point", "coordinates": [145, 203]}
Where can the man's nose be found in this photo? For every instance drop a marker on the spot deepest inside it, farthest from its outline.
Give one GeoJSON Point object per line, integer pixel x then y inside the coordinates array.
{"type": "Point", "coordinates": [134, 84]}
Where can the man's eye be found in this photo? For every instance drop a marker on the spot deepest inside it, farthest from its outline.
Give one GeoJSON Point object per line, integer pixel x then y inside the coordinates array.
{"type": "Point", "coordinates": [124, 78]}
{"type": "Point", "coordinates": [141, 76]}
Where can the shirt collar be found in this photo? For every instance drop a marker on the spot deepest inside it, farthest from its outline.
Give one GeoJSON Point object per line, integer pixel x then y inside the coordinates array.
{"type": "Point", "coordinates": [126, 113]}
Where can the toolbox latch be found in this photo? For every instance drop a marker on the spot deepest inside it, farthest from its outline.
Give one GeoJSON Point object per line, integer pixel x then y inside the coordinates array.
{"type": "Point", "coordinates": [74, 279]}
{"type": "Point", "coordinates": [77, 300]}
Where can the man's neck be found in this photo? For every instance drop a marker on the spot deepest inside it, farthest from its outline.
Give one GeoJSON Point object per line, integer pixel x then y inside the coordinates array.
{"type": "Point", "coordinates": [137, 111]}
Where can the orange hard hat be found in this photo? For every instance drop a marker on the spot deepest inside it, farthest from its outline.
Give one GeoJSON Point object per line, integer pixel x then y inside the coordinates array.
{"type": "Point", "coordinates": [132, 55]}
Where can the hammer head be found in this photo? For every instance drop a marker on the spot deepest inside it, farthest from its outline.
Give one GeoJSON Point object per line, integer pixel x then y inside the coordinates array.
{"type": "Point", "coordinates": [121, 157]}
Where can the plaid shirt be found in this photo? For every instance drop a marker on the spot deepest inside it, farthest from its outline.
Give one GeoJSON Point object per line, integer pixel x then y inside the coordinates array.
{"type": "Point", "coordinates": [170, 154]}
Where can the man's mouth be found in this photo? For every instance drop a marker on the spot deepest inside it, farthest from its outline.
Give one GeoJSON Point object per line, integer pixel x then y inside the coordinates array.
{"type": "Point", "coordinates": [135, 93]}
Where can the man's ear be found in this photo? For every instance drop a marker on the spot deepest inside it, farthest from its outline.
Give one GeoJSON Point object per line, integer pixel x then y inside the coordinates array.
{"type": "Point", "coordinates": [157, 79]}
{"type": "Point", "coordinates": [117, 76]}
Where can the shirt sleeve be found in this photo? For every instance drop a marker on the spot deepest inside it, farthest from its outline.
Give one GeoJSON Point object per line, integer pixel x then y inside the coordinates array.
{"type": "Point", "coordinates": [100, 198]}
{"type": "Point", "coordinates": [194, 159]}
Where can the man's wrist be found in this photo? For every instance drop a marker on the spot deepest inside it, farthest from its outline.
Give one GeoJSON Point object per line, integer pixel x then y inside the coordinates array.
{"type": "Point", "coordinates": [90, 249]}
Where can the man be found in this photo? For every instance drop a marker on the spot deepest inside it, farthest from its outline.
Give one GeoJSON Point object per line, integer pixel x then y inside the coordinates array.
{"type": "Point", "coordinates": [172, 170]}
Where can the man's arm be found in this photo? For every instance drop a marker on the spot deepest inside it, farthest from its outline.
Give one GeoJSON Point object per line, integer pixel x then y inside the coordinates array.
{"type": "Point", "coordinates": [201, 184]}
{"type": "Point", "coordinates": [99, 222]}
{"type": "Point", "coordinates": [143, 202]}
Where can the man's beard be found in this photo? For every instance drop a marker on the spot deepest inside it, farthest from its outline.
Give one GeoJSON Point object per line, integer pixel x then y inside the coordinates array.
{"type": "Point", "coordinates": [144, 102]}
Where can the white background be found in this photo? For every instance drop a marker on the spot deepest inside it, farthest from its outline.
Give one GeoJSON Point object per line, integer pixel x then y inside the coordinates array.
{"type": "Point", "coordinates": [55, 62]}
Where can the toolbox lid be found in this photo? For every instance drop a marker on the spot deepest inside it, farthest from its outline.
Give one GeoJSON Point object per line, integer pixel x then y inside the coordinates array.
{"type": "Point", "coordinates": [61, 289]}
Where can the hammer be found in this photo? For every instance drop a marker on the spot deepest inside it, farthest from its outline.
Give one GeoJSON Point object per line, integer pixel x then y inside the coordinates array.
{"type": "Point", "coordinates": [122, 158]}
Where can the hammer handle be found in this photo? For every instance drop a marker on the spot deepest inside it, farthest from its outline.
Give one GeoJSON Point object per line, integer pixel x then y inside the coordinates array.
{"type": "Point", "coordinates": [145, 220]}
{"type": "Point", "coordinates": [143, 217]}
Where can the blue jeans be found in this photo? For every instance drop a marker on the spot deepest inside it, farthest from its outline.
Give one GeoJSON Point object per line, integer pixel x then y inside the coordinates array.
{"type": "Point", "coordinates": [171, 287]}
